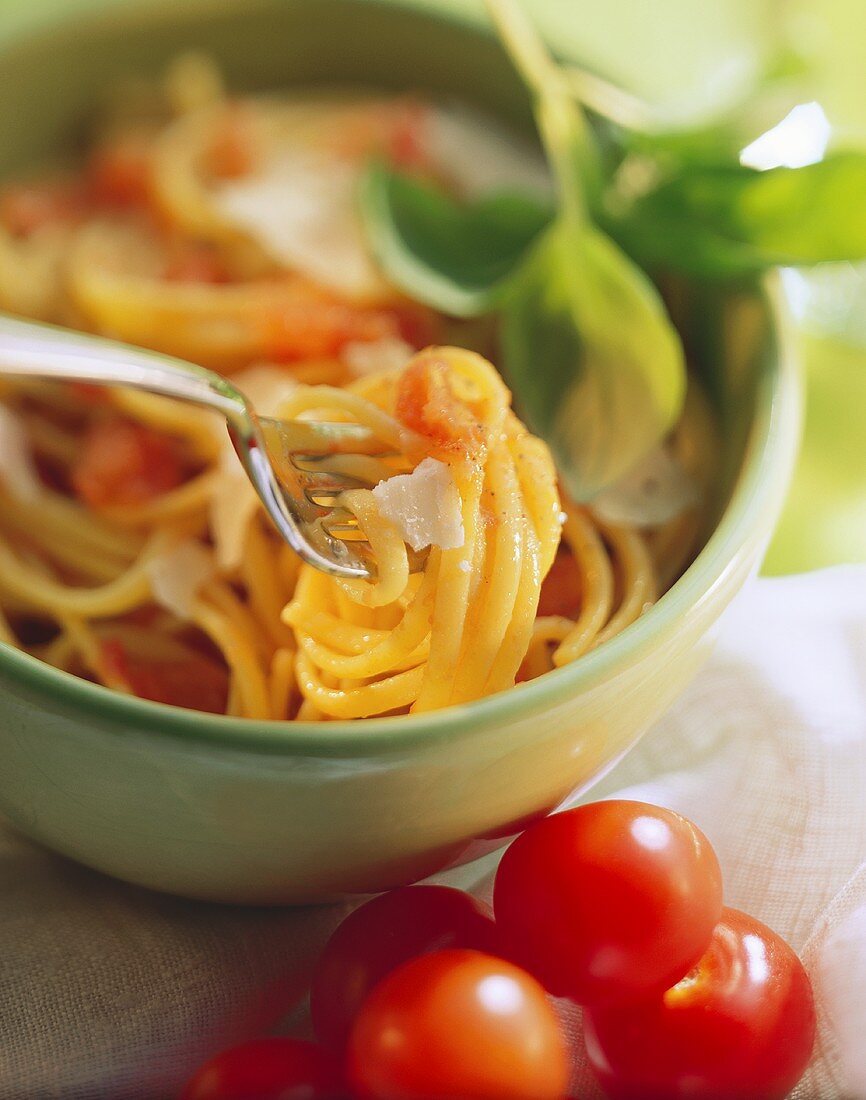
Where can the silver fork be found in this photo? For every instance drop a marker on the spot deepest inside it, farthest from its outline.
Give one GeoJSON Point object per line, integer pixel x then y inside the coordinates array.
{"type": "Point", "coordinates": [298, 468]}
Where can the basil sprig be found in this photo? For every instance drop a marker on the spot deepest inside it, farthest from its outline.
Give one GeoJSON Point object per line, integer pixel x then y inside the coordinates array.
{"type": "Point", "coordinates": [586, 344]}
{"type": "Point", "coordinates": [456, 257]}
{"type": "Point", "coordinates": [728, 221]}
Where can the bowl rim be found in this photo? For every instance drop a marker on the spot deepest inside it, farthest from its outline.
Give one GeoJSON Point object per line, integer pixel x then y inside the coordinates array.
{"type": "Point", "coordinates": [768, 459]}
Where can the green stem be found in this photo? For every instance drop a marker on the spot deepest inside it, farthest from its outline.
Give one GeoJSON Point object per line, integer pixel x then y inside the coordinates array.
{"type": "Point", "coordinates": [564, 130]}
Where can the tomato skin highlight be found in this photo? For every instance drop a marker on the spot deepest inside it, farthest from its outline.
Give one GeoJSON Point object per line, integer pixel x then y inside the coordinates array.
{"type": "Point", "coordinates": [740, 1026]}
{"type": "Point", "coordinates": [458, 1024]}
{"type": "Point", "coordinates": [610, 901]}
{"type": "Point", "coordinates": [266, 1069]}
{"type": "Point", "coordinates": [383, 934]}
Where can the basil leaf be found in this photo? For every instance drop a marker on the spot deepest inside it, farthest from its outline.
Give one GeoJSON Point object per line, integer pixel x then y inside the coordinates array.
{"type": "Point", "coordinates": [588, 348]}
{"type": "Point", "coordinates": [595, 364]}
{"type": "Point", "coordinates": [728, 221]}
{"type": "Point", "coordinates": [452, 256]}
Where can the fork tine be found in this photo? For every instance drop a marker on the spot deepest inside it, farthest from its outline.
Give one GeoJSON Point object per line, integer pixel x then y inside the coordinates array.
{"type": "Point", "coordinates": [319, 437]}
{"type": "Point", "coordinates": [320, 460]}
{"type": "Point", "coordinates": [364, 469]}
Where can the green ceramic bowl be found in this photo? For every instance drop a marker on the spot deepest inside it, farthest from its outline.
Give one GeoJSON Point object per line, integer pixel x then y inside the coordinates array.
{"type": "Point", "coordinates": [243, 811]}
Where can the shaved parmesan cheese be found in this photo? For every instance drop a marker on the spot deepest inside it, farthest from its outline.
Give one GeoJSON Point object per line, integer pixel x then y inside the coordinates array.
{"type": "Point", "coordinates": [301, 210]}
{"type": "Point", "coordinates": [17, 469]}
{"type": "Point", "coordinates": [177, 575]}
{"type": "Point", "coordinates": [480, 155]}
{"type": "Point", "coordinates": [657, 490]}
{"type": "Point", "coordinates": [233, 508]}
{"type": "Point", "coordinates": [371, 356]}
{"type": "Point", "coordinates": [234, 503]}
{"type": "Point", "coordinates": [425, 506]}
{"type": "Point", "coordinates": [267, 387]}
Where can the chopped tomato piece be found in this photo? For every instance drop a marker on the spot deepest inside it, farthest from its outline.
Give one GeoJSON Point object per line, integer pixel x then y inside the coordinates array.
{"type": "Point", "coordinates": [417, 325]}
{"type": "Point", "coordinates": [27, 207]}
{"type": "Point", "coordinates": [406, 144]}
{"type": "Point", "coordinates": [233, 151]}
{"type": "Point", "coordinates": [120, 172]}
{"type": "Point", "coordinates": [123, 463]}
{"type": "Point", "coordinates": [196, 263]}
{"type": "Point", "coordinates": [87, 391]}
{"type": "Point", "coordinates": [395, 131]}
{"type": "Point", "coordinates": [562, 590]}
{"type": "Point", "coordinates": [311, 323]}
{"type": "Point", "coordinates": [196, 682]}
{"type": "Point", "coordinates": [426, 403]}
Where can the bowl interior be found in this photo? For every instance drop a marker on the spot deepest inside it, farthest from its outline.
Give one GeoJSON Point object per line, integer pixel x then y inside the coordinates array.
{"type": "Point", "coordinates": [88, 47]}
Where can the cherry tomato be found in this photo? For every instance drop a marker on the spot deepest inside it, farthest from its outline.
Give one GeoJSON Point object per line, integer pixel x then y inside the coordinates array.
{"type": "Point", "coordinates": [123, 463]}
{"type": "Point", "coordinates": [385, 932]}
{"type": "Point", "coordinates": [458, 1024]}
{"type": "Point", "coordinates": [613, 900]}
{"type": "Point", "coordinates": [740, 1026]}
{"type": "Point", "coordinates": [266, 1069]}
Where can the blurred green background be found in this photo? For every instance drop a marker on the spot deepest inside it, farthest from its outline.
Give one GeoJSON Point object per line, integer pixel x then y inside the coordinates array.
{"type": "Point", "coordinates": [691, 58]}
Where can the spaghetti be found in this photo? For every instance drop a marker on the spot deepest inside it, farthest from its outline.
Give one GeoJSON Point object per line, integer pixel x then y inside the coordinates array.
{"type": "Point", "coordinates": [132, 549]}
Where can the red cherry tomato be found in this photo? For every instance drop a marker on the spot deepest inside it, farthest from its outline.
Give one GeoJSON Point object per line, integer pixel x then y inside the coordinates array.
{"type": "Point", "coordinates": [266, 1069]}
{"type": "Point", "coordinates": [740, 1026]}
{"type": "Point", "coordinates": [458, 1024]}
{"type": "Point", "coordinates": [613, 900]}
{"type": "Point", "coordinates": [389, 930]}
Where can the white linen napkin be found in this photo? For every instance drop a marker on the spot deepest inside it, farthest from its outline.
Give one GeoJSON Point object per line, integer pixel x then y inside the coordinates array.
{"type": "Point", "coordinates": [108, 991]}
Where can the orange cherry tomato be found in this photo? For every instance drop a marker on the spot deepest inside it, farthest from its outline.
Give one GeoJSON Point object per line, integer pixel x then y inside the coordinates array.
{"type": "Point", "coordinates": [739, 1026]}
{"type": "Point", "coordinates": [381, 935]}
{"type": "Point", "coordinates": [610, 901]}
{"type": "Point", "coordinates": [458, 1024]}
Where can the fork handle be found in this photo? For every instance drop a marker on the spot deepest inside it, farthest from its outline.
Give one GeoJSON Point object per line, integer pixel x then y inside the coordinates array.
{"type": "Point", "coordinates": [31, 350]}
